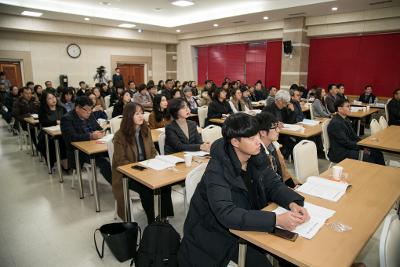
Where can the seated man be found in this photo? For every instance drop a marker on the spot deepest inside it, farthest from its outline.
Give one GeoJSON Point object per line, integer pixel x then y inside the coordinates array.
{"type": "Point", "coordinates": [331, 97]}
{"type": "Point", "coordinates": [80, 125]}
{"type": "Point", "coordinates": [233, 190]}
{"type": "Point", "coordinates": [295, 100]}
{"type": "Point", "coordinates": [269, 133]}
{"type": "Point", "coordinates": [394, 108]}
{"type": "Point", "coordinates": [343, 139]}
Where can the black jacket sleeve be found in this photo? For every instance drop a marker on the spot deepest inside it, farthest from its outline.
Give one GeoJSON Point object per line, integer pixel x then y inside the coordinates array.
{"type": "Point", "coordinates": [174, 138]}
{"type": "Point", "coordinates": [212, 111]}
{"type": "Point", "coordinates": [69, 132]}
{"type": "Point", "coordinates": [337, 132]}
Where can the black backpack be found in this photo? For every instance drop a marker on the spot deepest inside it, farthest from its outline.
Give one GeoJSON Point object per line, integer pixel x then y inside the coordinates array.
{"type": "Point", "coordinates": [159, 246]}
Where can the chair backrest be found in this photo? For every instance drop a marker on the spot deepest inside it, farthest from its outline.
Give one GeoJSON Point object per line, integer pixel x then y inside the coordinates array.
{"type": "Point", "coordinates": [109, 112]}
{"type": "Point", "coordinates": [161, 143]}
{"type": "Point", "coordinates": [192, 179]}
{"type": "Point", "coordinates": [202, 113]}
{"type": "Point", "coordinates": [375, 127]}
{"type": "Point", "coordinates": [389, 244]}
{"type": "Point", "coordinates": [107, 100]}
{"type": "Point", "coordinates": [110, 150]}
{"type": "Point", "coordinates": [305, 160]}
{"type": "Point", "coordinates": [115, 124]}
{"type": "Point", "coordinates": [146, 116]}
{"type": "Point", "coordinates": [211, 133]}
{"type": "Point", "coordinates": [325, 137]}
{"type": "Point", "coordinates": [383, 122]}
{"type": "Point", "coordinates": [311, 111]}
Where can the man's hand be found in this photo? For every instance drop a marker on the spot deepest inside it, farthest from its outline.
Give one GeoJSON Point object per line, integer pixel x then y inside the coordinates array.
{"type": "Point", "coordinates": [301, 211]}
{"type": "Point", "coordinates": [205, 147]}
{"type": "Point", "coordinates": [290, 106]}
{"type": "Point", "coordinates": [288, 220]}
{"type": "Point", "coordinates": [96, 135]}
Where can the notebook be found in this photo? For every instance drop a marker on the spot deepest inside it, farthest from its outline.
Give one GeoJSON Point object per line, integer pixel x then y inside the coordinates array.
{"type": "Point", "coordinates": [161, 162]}
{"type": "Point", "coordinates": [53, 128]}
{"type": "Point", "coordinates": [323, 188]}
{"type": "Point", "coordinates": [293, 127]}
{"type": "Point", "coordinates": [197, 153]}
{"type": "Point", "coordinates": [310, 122]}
{"type": "Point", "coordinates": [105, 139]}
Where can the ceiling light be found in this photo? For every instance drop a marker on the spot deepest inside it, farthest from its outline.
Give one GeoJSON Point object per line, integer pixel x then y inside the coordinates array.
{"type": "Point", "coordinates": [104, 3]}
{"type": "Point", "coordinates": [215, 25]}
{"type": "Point", "coordinates": [31, 14]}
{"type": "Point", "coordinates": [265, 18]}
{"type": "Point", "coordinates": [178, 30]}
{"type": "Point", "coordinates": [182, 3]}
{"type": "Point", "coordinates": [334, 8]}
{"type": "Point", "coordinates": [126, 25]}
{"type": "Point", "coordinates": [87, 19]}
{"type": "Point", "coordinates": [139, 30]}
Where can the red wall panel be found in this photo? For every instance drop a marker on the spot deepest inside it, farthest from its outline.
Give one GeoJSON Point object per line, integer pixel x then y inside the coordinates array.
{"type": "Point", "coordinates": [255, 63]}
{"type": "Point", "coordinates": [356, 61]}
{"type": "Point", "coordinates": [234, 61]}
{"type": "Point", "coordinates": [273, 63]}
{"type": "Point", "coordinates": [202, 64]}
{"type": "Point", "coordinates": [216, 63]}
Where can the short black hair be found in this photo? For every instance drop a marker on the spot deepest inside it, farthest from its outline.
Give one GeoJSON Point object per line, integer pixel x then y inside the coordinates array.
{"type": "Point", "coordinates": [82, 101]}
{"type": "Point", "coordinates": [131, 81]}
{"type": "Point", "coordinates": [339, 102]}
{"type": "Point", "coordinates": [141, 87]}
{"type": "Point", "coordinates": [217, 92]}
{"type": "Point", "coordinates": [339, 85]}
{"type": "Point", "coordinates": [174, 105]}
{"type": "Point", "coordinates": [330, 86]}
{"type": "Point", "coordinates": [81, 82]}
{"type": "Point", "coordinates": [395, 91]}
{"type": "Point", "coordinates": [294, 87]}
{"type": "Point", "coordinates": [175, 91]}
{"type": "Point", "coordinates": [368, 85]}
{"type": "Point", "coordinates": [240, 125]}
{"type": "Point", "coordinates": [168, 80]}
{"type": "Point", "coordinates": [29, 83]}
{"type": "Point", "coordinates": [265, 120]}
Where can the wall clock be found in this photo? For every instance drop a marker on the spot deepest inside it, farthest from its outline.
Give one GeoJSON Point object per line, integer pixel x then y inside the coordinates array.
{"type": "Point", "coordinates": [73, 50]}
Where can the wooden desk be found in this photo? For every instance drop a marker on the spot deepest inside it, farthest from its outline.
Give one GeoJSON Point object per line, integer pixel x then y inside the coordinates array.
{"type": "Point", "coordinates": [54, 133]}
{"type": "Point", "coordinates": [361, 114]}
{"type": "Point", "coordinates": [34, 122]}
{"type": "Point", "coordinates": [90, 148]}
{"type": "Point", "coordinates": [155, 180]}
{"type": "Point", "coordinates": [370, 105]}
{"type": "Point", "coordinates": [374, 190]}
{"type": "Point", "coordinates": [386, 140]}
{"type": "Point", "coordinates": [218, 121]}
{"type": "Point", "coordinates": [309, 131]}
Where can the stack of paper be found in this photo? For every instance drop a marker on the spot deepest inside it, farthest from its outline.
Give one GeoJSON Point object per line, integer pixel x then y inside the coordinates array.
{"type": "Point", "coordinates": [105, 139]}
{"type": "Point", "coordinates": [310, 122]}
{"type": "Point", "coordinates": [292, 127]}
{"type": "Point", "coordinates": [318, 216]}
{"type": "Point", "coordinates": [197, 153]}
{"type": "Point", "coordinates": [356, 109]}
{"type": "Point", "coordinates": [53, 128]}
{"type": "Point", "coordinates": [161, 162]}
{"type": "Point", "coordinates": [35, 116]}
{"type": "Point", "coordinates": [323, 188]}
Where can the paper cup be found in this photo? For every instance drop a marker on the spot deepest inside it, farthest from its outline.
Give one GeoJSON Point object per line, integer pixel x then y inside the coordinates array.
{"type": "Point", "coordinates": [337, 172]}
{"type": "Point", "coordinates": [368, 107]}
{"type": "Point", "coordinates": [188, 160]}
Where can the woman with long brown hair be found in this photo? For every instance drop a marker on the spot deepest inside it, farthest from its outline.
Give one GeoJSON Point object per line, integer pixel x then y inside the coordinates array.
{"type": "Point", "coordinates": [133, 143]}
{"type": "Point", "coordinates": [318, 106]}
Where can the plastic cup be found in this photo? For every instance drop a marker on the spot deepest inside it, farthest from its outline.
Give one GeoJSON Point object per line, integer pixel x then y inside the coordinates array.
{"type": "Point", "coordinates": [188, 160]}
{"type": "Point", "coordinates": [337, 172]}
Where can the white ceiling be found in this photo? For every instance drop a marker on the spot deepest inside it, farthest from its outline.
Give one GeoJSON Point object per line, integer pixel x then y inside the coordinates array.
{"type": "Point", "coordinates": [200, 16]}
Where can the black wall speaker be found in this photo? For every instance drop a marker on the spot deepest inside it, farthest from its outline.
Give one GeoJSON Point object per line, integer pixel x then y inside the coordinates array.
{"type": "Point", "coordinates": [287, 47]}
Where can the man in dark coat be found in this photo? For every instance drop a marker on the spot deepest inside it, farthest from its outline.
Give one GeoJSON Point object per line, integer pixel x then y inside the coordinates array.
{"type": "Point", "coordinates": [331, 98]}
{"type": "Point", "coordinates": [234, 188]}
{"type": "Point", "coordinates": [343, 139]}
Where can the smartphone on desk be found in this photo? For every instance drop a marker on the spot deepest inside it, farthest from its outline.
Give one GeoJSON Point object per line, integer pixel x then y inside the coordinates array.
{"type": "Point", "coordinates": [285, 234]}
{"type": "Point", "coordinates": [138, 167]}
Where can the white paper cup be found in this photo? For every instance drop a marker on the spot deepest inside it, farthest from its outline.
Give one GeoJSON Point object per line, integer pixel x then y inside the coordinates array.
{"type": "Point", "coordinates": [368, 107]}
{"type": "Point", "coordinates": [188, 160]}
{"type": "Point", "coordinates": [337, 172]}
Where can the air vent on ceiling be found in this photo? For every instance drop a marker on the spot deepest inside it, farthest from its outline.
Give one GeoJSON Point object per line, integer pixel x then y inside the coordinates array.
{"type": "Point", "coordinates": [297, 14]}
{"type": "Point", "coordinates": [239, 21]}
{"type": "Point", "coordinates": [380, 2]}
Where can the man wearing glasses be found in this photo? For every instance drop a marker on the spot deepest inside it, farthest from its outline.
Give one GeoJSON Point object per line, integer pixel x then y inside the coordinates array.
{"type": "Point", "coordinates": [80, 125]}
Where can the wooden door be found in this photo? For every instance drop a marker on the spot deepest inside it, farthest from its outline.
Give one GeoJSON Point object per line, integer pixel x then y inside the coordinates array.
{"type": "Point", "coordinates": [132, 72]}
{"type": "Point", "coordinates": [13, 72]}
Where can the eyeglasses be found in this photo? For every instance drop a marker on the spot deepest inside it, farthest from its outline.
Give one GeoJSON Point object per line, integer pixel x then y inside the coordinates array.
{"type": "Point", "coordinates": [87, 110]}
{"type": "Point", "coordinates": [274, 126]}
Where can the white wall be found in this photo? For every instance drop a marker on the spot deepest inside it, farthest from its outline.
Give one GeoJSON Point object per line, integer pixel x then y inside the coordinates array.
{"type": "Point", "coordinates": [50, 59]}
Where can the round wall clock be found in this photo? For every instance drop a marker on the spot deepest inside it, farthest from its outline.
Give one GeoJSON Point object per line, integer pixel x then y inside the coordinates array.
{"type": "Point", "coordinates": [73, 50]}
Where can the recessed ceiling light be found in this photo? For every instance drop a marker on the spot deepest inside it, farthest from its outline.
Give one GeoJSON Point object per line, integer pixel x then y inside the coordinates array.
{"type": "Point", "coordinates": [139, 30]}
{"type": "Point", "coordinates": [265, 18]}
{"type": "Point", "coordinates": [215, 25]}
{"type": "Point", "coordinates": [126, 25]}
{"type": "Point", "coordinates": [178, 30]}
{"type": "Point", "coordinates": [31, 14]}
{"type": "Point", "coordinates": [87, 19]}
{"type": "Point", "coordinates": [334, 8]}
{"type": "Point", "coordinates": [104, 3]}
{"type": "Point", "coordinates": [158, 9]}
{"type": "Point", "coordinates": [182, 3]}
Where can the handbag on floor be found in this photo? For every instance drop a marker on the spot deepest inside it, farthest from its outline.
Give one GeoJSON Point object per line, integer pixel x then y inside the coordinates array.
{"type": "Point", "coordinates": [121, 239]}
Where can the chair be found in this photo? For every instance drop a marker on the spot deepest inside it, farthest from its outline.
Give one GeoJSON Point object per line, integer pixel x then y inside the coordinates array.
{"type": "Point", "coordinates": [383, 123]}
{"type": "Point", "coordinates": [325, 139]}
{"type": "Point", "coordinates": [386, 109]}
{"type": "Point", "coordinates": [211, 133]}
{"type": "Point", "coordinates": [107, 100]}
{"type": "Point", "coordinates": [305, 160]}
{"type": "Point", "coordinates": [192, 179]}
{"type": "Point", "coordinates": [311, 111]}
{"type": "Point", "coordinates": [109, 112]}
{"type": "Point", "coordinates": [202, 113]}
{"type": "Point", "coordinates": [375, 127]}
{"type": "Point", "coordinates": [389, 245]}
{"type": "Point", "coordinates": [146, 116]}
{"type": "Point", "coordinates": [115, 124]}
{"type": "Point", "coordinates": [161, 143]}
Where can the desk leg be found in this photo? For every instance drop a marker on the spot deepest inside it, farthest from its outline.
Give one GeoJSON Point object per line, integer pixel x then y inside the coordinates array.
{"type": "Point", "coordinates": [21, 136]}
{"type": "Point", "coordinates": [46, 137]}
{"type": "Point", "coordinates": [78, 173]}
{"type": "Point", "coordinates": [57, 146]}
{"type": "Point", "coordinates": [95, 189]}
{"type": "Point", "coordinates": [358, 127]}
{"type": "Point", "coordinates": [242, 253]}
{"type": "Point", "coordinates": [361, 154]}
{"type": "Point", "coordinates": [30, 139]}
{"type": "Point", "coordinates": [127, 202]}
{"type": "Point", "coordinates": [37, 141]}
{"type": "Point", "coordinates": [157, 199]}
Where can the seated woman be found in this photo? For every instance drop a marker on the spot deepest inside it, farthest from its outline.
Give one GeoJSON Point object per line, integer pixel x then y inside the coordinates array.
{"type": "Point", "coordinates": [318, 106]}
{"type": "Point", "coordinates": [269, 133]}
{"type": "Point", "coordinates": [190, 100]}
{"type": "Point", "coordinates": [219, 105]}
{"type": "Point", "coordinates": [176, 93]}
{"type": "Point", "coordinates": [124, 99]}
{"type": "Point", "coordinates": [182, 134]}
{"type": "Point", "coordinates": [115, 95]}
{"type": "Point", "coordinates": [142, 96]}
{"type": "Point", "coordinates": [160, 116]}
{"type": "Point", "coordinates": [99, 100]}
{"type": "Point", "coordinates": [68, 99]}
{"type": "Point", "coordinates": [97, 110]}
{"type": "Point", "coordinates": [205, 97]}
{"type": "Point", "coordinates": [50, 114]}
{"type": "Point", "coordinates": [133, 143]}
{"type": "Point", "coordinates": [246, 97]}
{"type": "Point", "coordinates": [236, 103]}
{"type": "Point", "coordinates": [38, 90]}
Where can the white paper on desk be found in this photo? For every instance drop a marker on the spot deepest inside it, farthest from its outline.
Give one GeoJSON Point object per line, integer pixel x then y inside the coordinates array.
{"type": "Point", "coordinates": [323, 188]}
{"type": "Point", "coordinates": [310, 122]}
{"type": "Point", "coordinates": [35, 116]}
{"type": "Point", "coordinates": [197, 153]}
{"type": "Point", "coordinates": [355, 109]}
{"type": "Point", "coordinates": [53, 128]}
{"type": "Point", "coordinates": [161, 130]}
{"type": "Point", "coordinates": [318, 216]}
{"type": "Point", "coordinates": [105, 139]}
{"type": "Point", "coordinates": [292, 127]}
{"type": "Point", "coordinates": [161, 162]}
